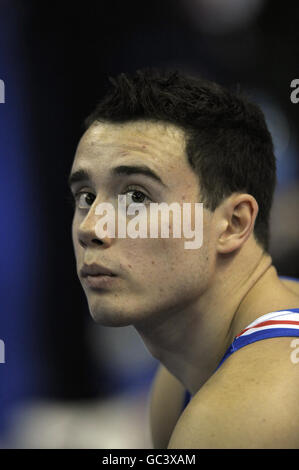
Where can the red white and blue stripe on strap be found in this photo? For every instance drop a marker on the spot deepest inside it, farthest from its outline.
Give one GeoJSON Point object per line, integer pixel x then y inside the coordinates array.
{"type": "Point", "coordinates": [271, 325]}
{"type": "Point", "coordinates": [274, 324]}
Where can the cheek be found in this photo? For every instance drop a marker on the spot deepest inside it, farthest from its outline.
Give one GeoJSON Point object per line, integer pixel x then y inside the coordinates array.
{"type": "Point", "coordinates": [156, 259]}
{"type": "Point", "coordinates": [75, 236]}
{"type": "Point", "coordinates": [145, 258]}
{"type": "Point", "coordinates": [73, 230]}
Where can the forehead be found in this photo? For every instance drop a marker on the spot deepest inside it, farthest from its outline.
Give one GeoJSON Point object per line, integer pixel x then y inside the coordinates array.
{"type": "Point", "coordinates": [139, 130]}
{"type": "Point", "coordinates": [161, 146]}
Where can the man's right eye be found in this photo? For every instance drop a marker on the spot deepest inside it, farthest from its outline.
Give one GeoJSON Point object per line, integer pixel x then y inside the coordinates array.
{"type": "Point", "coordinates": [84, 200]}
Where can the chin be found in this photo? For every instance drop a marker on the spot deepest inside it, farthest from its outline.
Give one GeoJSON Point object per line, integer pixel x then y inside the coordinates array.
{"type": "Point", "coordinates": [108, 317]}
{"type": "Point", "coordinates": [106, 311]}
{"type": "Point", "coordinates": [109, 320]}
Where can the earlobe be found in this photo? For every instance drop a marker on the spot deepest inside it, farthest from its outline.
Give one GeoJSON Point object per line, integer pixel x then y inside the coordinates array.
{"type": "Point", "coordinates": [228, 241]}
{"type": "Point", "coordinates": [224, 243]}
{"type": "Point", "coordinates": [228, 245]}
{"type": "Point", "coordinates": [238, 224]}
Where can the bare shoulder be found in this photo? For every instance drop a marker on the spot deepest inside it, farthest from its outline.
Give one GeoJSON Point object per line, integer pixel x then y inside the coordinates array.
{"type": "Point", "coordinates": [166, 402]}
{"type": "Point", "coordinates": [291, 285]}
{"type": "Point", "coordinates": [250, 402]}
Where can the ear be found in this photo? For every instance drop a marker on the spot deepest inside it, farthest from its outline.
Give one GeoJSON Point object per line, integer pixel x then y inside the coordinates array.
{"type": "Point", "coordinates": [237, 215]}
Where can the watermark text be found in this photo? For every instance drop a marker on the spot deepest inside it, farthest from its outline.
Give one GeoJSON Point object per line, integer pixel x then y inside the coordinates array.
{"type": "Point", "coordinates": [2, 352]}
{"type": "Point", "coordinates": [148, 220]}
{"type": "Point", "coordinates": [295, 93]}
{"type": "Point", "coordinates": [295, 353]}
{"type": "Point", "coordinates": [2, 92]}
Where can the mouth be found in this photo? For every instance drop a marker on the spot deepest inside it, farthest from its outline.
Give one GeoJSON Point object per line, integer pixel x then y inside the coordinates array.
{"type": "Point", "coordinates": [100, 280]}
{"type": "Point", "coordinates": [95, 270]}
{"type": "Point", "coordinates": [97, 276]}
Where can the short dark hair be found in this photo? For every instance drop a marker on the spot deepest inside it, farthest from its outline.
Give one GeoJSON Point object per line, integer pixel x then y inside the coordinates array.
{"type": "Point", "coordinates": [228, 143]}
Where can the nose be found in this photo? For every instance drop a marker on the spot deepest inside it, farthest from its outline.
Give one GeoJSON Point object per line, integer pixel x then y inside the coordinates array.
{"type": "Point", "coordinates": [87, 235]}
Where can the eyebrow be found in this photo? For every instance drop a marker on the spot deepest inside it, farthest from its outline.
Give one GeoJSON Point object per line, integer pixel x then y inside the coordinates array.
{"type": "Point", "coordinates": [82, 175]}
{"type": "Point", "coordinates": [77, 177]}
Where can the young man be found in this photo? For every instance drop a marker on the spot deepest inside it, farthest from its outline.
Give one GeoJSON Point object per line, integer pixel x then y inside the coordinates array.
{"type": "Point", "coordinates": [167, 137]}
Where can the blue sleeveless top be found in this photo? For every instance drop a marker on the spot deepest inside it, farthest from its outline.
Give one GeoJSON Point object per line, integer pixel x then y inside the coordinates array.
{"type": "Point", "coordinates": [271, 325]}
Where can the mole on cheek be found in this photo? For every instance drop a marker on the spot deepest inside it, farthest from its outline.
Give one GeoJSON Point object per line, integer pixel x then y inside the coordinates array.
{"type": "Point", "coordinates": [129, 266]}
{"type": "Point", "coordinates": [153, 262]}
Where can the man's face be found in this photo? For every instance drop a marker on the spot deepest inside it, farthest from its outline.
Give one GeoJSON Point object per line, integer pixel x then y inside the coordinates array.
{"type": "Point", "coordinates": [155, 277]}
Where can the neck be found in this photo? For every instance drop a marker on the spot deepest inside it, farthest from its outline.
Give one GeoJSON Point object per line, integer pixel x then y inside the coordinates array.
{"type": "Point", "coordinates": [191, 342]}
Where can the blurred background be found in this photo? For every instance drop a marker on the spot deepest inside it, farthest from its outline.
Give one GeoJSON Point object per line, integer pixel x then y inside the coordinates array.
{"type": "Point", "coordinates": [67, 382]}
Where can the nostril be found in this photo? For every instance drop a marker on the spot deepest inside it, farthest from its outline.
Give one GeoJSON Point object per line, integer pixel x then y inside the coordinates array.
{"type": "Point", "coordinates": [97, 241]}
{"type": "Point", "coordinates": [81, 243]}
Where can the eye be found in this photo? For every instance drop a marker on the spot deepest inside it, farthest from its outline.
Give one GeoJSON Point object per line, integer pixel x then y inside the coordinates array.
{"type": "Point", "coordinates": [83, 199]}
{"type": "Point", "coordinates": [137, 195]}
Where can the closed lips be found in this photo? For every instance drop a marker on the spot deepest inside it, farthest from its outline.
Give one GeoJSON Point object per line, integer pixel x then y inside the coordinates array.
{"type": "Point", "coordinates": [95, 270]}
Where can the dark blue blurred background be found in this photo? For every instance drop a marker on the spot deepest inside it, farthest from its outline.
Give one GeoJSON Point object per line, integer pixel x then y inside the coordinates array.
{"type": "Point", "coordinates": [55, 58]}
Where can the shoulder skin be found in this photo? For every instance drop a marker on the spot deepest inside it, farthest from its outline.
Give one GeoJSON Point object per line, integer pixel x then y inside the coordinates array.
{"type": "Point", "coordinates": [251, 402]}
